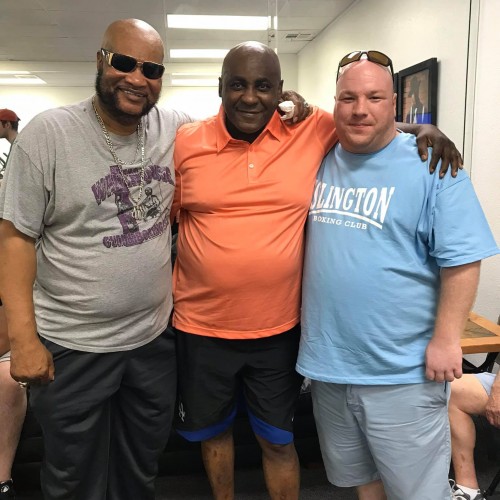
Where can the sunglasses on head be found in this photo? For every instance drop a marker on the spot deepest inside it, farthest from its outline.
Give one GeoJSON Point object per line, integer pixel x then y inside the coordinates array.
{"type": "Point", "coordinates": [127, 64]}
{"type": "Point", "coordinates": [372, 55]}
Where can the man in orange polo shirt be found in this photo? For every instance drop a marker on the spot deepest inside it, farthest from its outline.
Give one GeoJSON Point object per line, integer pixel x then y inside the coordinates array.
{"type": "Point", "coordinates": [244, 181]}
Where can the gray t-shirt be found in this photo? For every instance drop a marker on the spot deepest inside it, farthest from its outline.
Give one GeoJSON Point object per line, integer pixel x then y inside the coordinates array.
{"type": "Point", "coordinates": [103, 272]}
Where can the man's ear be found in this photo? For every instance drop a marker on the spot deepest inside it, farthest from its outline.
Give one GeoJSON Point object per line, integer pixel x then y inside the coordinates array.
{"type": "Point", "coordinates": [281, 86]}
{"type": "Point", "coordinates": [394, 101]}
{"type": "Point", "coordinates": [220, 86]}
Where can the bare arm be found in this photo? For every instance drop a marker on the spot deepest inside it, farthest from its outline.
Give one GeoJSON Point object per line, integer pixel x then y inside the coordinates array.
{"type": "Point", "coordinates": [493, 404]}
{"type": "Point", "coordinates": [443, 357]}
{"type": "Point", "coordinates": [30, 360]}
{"type": "Point", "coordinates": [442, 148]}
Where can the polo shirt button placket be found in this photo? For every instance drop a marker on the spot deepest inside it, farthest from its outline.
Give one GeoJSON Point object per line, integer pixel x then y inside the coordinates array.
{"type": "Point", "coordinates": [252, 172]}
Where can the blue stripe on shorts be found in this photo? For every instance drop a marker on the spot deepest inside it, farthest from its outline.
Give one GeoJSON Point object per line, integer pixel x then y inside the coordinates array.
{"type": "Point", "coordinates": [211, 431]}
{"type": "Point", "coordinates": [268, 431]}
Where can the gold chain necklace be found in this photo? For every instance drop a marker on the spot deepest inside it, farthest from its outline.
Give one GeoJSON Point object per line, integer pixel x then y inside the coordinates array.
{"type": "Point", "coordinates": [120, 163]}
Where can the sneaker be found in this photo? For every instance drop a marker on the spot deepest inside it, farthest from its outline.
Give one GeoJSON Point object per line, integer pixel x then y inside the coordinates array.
{"type": "Point", "coordinates": [457, 493]}
{"type": "Point", "coordinates": [7, 490]}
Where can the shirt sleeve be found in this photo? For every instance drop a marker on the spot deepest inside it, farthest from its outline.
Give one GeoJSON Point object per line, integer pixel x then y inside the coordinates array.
{"type": "Point", "coordinates": [460, 232]}
{"type": "Point", "coordinates": [183, 118]}
{"type": "Point", "coordinates": [23, 197]}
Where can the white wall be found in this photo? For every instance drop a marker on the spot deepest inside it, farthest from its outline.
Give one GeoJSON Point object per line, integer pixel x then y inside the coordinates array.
{"type": "Point", "coordinates": [289, 70]}
{"type": "Point", "coordinates": [485, 171]}
{"type": "Point", "coordinates": [410, 32]}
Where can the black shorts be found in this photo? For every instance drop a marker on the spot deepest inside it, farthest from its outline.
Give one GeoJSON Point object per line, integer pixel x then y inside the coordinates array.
{"type": "Point", "coordinates": [216, 375]}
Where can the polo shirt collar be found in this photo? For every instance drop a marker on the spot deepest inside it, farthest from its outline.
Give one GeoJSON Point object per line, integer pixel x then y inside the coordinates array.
{"type": "Point", "coordinates": [275, 127]}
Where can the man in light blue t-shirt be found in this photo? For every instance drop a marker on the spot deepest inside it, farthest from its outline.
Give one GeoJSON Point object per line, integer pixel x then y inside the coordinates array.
{"type": "Point", "coordinates": [391, 270]}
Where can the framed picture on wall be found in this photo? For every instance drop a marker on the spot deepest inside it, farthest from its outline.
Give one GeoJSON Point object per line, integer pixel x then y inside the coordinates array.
{"type": "Point", "coordinates": [417, 93]}
{"type": "Point", "coordinates": [395, 80]}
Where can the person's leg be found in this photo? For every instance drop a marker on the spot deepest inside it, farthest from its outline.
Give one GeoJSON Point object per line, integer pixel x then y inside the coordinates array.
{"type": "Point", "coordinates": [407, 430]}
{"type": "Point", "coordinates": [12, 413]}
{"type": "Point", "coordinates": [281, 469]}
{"type": "Point", "coordinates": [272, 389]}
{"type": "Point", "coordinates": [141, 417]}
{"type": "Point", "coordinates": [207, 392]}
{"type": "Point", "coordinates": [468, 397]}
{"type": "Point", "coordinates": [371, 491]}
{"type": "Point", "coordinates": [74, 414]}
{"type": "Point", "coordinates": [218, 459]}
{"type": "Point", "coordinates": [346, 455]}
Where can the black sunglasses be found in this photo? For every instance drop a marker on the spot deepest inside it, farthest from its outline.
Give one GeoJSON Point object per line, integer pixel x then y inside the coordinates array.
{"type": "Point", "coordinates": [372, 55]}
{"type": "Point", "coordinates": [127, 64]}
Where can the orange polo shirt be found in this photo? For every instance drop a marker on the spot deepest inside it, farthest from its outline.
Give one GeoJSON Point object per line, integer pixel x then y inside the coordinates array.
{"type": "Point", "coordinates": [241, 224]}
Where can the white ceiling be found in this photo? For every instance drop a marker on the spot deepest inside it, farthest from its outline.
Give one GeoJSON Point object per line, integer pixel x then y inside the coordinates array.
{"type": "Point", "coordinates": [57, 40]}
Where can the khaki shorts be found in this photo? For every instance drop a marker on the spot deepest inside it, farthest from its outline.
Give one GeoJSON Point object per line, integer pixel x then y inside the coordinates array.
{"type": "Point", "coordinates": [397, 433]}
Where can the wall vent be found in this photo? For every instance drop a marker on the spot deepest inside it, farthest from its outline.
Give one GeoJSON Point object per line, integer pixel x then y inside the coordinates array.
{"type": "Point", "coordinates": [300, 36]}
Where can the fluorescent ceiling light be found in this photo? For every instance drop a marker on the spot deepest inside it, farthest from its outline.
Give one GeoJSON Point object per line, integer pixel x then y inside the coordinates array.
{"type": "Point", "coordinates": [198, 53]}
{"type": "Point", "coordinates": [247, 23]}
{"type": "Point", "coordinates": [14, 72]}
{"type": "Point", "coordinates": [21, 78]}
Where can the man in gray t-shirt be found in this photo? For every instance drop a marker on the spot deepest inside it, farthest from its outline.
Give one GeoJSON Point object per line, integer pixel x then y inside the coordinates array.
{"type": "Point", "coordinates": [86, 274]}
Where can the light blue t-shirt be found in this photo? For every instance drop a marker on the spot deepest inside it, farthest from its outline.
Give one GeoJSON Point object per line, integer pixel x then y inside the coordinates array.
{"type": "Point", "coordinates": [379, 229]}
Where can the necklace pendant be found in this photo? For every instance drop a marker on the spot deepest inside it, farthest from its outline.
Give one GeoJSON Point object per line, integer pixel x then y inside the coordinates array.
{"type": "Point", "coordinates": [137, 212]}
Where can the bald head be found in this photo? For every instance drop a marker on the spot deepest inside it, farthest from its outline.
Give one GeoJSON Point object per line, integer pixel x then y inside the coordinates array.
{"type": "Point", "coordinates": [365, 105]}
{"type": "Point", "coordinates": [133, 29]}
{"type": "Point", "coordinates": [256, 49]}
{"type": "Point", "coordinates": [353, 70]}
